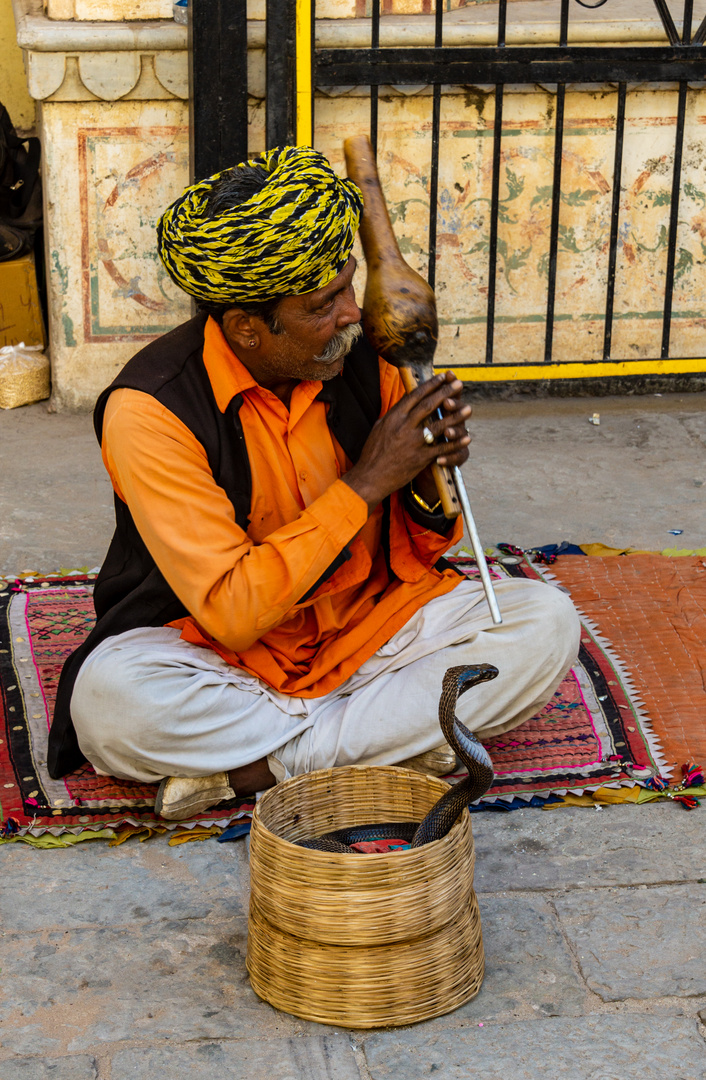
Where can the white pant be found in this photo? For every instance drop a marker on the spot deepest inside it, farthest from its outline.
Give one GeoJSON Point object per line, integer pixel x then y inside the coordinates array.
{"type": "Point", "coordinates": [147, 704]}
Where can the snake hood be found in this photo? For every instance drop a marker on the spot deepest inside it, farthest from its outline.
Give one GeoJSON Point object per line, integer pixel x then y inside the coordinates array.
{"type": "Point", "coordinates": [457, 680]}
{"type": "Point", "coordinates": [473, 746]}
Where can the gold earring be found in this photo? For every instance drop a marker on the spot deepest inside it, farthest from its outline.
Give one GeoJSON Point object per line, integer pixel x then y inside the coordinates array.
{"type": "Point", "coordinates": [252, 343]}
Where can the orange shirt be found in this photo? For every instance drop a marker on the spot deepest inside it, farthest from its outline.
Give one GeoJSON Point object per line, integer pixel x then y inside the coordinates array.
{"type": "Point", "coordinates": [243, 589]}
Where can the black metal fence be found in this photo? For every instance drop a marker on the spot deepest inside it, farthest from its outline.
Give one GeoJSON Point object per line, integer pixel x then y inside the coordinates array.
{"type": "Point", "coordinates": [220, 111]}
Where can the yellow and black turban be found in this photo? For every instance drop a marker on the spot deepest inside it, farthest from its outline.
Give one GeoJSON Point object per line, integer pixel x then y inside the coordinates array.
{"type": "Point", "coordinates": [293, 236]}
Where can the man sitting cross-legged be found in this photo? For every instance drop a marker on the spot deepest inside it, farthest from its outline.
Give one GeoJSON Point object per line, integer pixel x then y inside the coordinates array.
{"type": "Point", "coordinates": [274, 599]}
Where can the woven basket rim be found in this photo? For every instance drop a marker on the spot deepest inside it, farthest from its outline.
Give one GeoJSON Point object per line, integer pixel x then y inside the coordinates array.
{"type": "Point", "coordinates": [344, 855]}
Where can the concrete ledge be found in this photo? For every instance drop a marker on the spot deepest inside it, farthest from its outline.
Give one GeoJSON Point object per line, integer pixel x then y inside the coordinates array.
{"type": "Point", "coordinates": [38, 33]}
{"type": "Point", "coordinates": [531, 22]}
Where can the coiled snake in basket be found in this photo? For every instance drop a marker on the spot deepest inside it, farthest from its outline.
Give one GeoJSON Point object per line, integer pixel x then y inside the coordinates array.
{"type": "Point", "coordinates": [445, 811]}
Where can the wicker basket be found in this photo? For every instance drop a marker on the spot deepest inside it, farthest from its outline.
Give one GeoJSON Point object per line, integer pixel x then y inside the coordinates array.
{"type": "Point", "coordinates": [361, 940]}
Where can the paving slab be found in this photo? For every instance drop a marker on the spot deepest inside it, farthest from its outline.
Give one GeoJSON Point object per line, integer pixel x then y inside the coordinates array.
{"type": "Point", "coordinates": [538, 472]}
{"type": "Point", "coordinates": [639, 943]}
{"type": "Point", "coordinates": [528, 970]}
{"type": "Point", "coordinates": [63, 1068]}
{"type": "Point", "coordinates": [56, 502]}
{"type": "Point", "coordinates": [95, 885]}
{"type": "Point", "coordinates": [626, 1047]}
{"type": "Point", "coordinates": [143, 945]}
{"type": "Point", "coordinates": [327, 1057]}
{"type": "Point", "coordinates": [577, 847]}
{"type": "Point", "coordinates": [70, 991]}
{"type": "Point", "coordinates": [563, 849]}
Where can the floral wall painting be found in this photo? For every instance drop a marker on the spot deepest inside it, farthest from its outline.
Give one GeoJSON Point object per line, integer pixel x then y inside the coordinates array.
{"type": "Point", "coordinates": [527, 161]}
{"type": "Point", "coordinates": [128, 176]}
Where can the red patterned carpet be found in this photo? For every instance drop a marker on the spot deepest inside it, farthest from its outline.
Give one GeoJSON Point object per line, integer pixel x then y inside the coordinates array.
{"type": "Point", "coordinates": [40, 624]}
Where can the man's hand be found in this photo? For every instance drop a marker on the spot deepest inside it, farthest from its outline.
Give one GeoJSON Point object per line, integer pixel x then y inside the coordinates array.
{"type": "Point", "coordinates": [395, 451]}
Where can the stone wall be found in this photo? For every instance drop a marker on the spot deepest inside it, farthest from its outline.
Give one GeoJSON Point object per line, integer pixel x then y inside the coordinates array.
{"type": "Point", "coordinates": [114, 128]}
{"type": "Point", "coordinates": [465, 171]}
{"type": "Point", "coordinates": [114, 123]}
{"type": "Point", "coordinates": [120, 10]}
{"type": "Point", "coordinates": [13, 84]}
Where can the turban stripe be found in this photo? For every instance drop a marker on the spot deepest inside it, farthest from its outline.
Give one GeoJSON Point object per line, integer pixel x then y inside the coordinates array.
{"type": "Point", "coordinates": [293, 236]}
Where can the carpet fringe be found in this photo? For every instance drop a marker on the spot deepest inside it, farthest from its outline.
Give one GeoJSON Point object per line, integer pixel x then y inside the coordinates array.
{"type": "Point", "coordinates": [96, 826]}
{"type": "Point", "coordinates": [573, 790]}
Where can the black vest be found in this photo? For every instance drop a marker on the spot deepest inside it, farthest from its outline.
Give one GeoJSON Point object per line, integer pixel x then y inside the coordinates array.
{"type": "Point", "coordinates": [130, 590]}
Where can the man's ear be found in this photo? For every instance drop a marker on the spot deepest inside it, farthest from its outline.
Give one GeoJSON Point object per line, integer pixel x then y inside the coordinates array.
{"type": "Point", "coordinates": [240, 330]}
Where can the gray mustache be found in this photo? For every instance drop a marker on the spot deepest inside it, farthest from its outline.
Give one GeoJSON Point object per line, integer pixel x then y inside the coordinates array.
{"type": "Point", "coordinates": [340, 344]}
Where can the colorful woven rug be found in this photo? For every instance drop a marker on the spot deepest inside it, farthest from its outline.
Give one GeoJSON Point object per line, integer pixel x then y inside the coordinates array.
{"type": "Point", "coordinates": [653, 610]}
{"type": "Point", "coordinates": [41, 622]}
{"type": "Point", "coordinates": [593, 731]}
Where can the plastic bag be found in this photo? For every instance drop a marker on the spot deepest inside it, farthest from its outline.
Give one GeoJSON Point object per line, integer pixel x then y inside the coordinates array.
{"type": "Point", "coordinates": [24, 375]}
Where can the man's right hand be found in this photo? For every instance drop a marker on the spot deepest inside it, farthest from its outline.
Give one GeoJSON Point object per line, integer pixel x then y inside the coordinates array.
{"type": "Point", "coordinates": [395, 451]}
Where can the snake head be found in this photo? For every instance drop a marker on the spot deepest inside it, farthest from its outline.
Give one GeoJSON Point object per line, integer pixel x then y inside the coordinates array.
{"type": "Point", "coordinates": [471, 752]}
{"type": "Point", "coordinates": [462, 678]}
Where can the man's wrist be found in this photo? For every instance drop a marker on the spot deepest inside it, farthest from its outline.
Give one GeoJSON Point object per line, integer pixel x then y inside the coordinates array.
{"type": "Point", "coordinates": [427, 507]}
{"type": "Point", "coordinates": [362, 487]}
{"type": "Point", "coordinates": [424, 488]}
{"type": "Point", "coordinates": [431, 519]}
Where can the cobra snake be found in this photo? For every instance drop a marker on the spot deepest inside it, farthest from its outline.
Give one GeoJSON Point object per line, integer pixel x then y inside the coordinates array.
{"type": "Point", "coordinates": [446, 810]}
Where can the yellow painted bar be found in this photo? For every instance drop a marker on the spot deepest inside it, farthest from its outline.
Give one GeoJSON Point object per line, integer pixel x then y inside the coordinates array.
{"type": "Point", "coordinates": [304, 100]}
{"type": "Point", "coordinates": [595, 370]}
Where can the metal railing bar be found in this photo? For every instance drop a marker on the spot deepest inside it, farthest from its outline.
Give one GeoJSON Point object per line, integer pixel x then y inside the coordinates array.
{"type": "Point", "coordinates": [219, 94]}
{"type": "Point", "coordinates": [435, 134]}
{"type": "Point", "coordinates": [279, 97]}
{"type": "Point", "coordinates": [556, 192]}
{"type": "Point", "coordinates": [614, 219]}
{"type": "Point", "coordinates": [518, 64]}
{"type": "Point", "coordinates": [554, 227]}
{"type": "Point", "coordinates": [434, 185]}
{"type": "Point", "coordinates": [495, 197]}
{"type": "Point", "coordinates": [700, 35]}
{"type": "Point", "coordinates": [667, 21]}
{"type": "Point", "coordinates": [312, 69]}
{"type": "Point", "coordinates": [686, 25]}
{"type": "Point", "coordinates": [502, 23]}
{"type": "Point", "coordinates": [493, 239]}
{"type": "Point", "coordinates": [564, 24]}
{"type": "Point", "coordinates": [304, 72]}
{"type": "Point", "coordinates": [374, 44]}
{"type": "Point", "coordinates": [439, 24]}
{"type": "Point", "coordinates": [673, 222]}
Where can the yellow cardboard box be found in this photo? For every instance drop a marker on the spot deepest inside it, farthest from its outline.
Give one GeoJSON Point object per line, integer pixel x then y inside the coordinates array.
{"type": "Point", "coordinates": [20, 313]}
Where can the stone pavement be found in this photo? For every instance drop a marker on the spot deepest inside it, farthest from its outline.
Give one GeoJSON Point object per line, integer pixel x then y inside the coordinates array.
{"type": "Point", "coordinates": [539, 473]}
{"type": "Point", "coordinates": [129, 962]}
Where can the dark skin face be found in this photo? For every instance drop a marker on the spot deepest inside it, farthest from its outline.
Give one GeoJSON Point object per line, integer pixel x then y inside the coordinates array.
{"type": "Point", "coordinates": [279, 361]}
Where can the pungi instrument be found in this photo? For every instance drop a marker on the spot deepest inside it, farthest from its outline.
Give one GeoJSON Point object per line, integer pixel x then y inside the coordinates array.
{"type": "Point", "coordinates": [399, 319]}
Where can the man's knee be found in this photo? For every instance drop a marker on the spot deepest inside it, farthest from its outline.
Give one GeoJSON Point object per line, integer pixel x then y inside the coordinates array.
{"type": "Point", "coordinates": [104, 701]}
{"type": "Point", "coordinates": [557, 622]}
